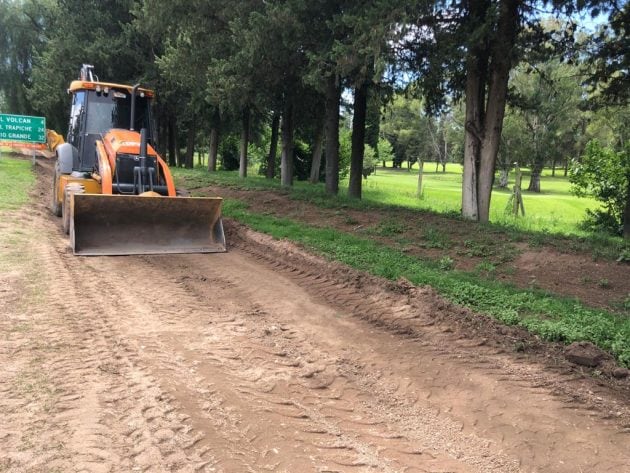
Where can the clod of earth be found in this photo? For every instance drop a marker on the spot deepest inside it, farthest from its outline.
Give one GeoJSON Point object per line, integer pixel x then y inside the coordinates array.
{"type": "Point", "coordinates": [621, 373]}
{"type": "Point", "coordinates": [585, 354]}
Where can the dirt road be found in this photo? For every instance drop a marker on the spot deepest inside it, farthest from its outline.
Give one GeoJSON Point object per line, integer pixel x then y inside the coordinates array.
{"type": "Point", "coordinates": [268, 359]}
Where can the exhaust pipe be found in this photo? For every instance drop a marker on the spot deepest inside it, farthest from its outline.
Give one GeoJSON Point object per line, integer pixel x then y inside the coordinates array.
{"type": "Point", "coordinates": [134, 90]}
{"type": "Point", "coordinates": [141, 172]}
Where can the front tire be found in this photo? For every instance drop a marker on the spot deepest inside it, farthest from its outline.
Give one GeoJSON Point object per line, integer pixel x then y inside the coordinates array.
{"type": "Point", "coordinates": [69, 191]}
{"type": "Point", "coordinates": [55, 205]}
{"type": "Point", "coordinates": [65, 212]}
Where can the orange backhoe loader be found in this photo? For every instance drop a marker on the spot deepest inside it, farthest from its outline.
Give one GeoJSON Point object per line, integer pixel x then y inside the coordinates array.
{"type": "Point", "coordinates": [115, 193]}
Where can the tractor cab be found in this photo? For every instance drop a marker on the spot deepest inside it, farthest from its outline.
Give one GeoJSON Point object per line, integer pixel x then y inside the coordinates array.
{"type": "Point", "coordinates": [98, 107]}
{"type": "Point", "coordinates": [115, 193]}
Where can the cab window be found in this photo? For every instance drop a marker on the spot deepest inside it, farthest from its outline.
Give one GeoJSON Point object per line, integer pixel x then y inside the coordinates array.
{"type": "Point", "coordinates": [76, 115]}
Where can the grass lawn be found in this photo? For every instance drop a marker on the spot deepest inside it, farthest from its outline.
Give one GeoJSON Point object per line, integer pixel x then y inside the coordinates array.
{"type": "Point", "coordinates": [554, 210]}
{"type": "Point", "coordinates": [16, 179]}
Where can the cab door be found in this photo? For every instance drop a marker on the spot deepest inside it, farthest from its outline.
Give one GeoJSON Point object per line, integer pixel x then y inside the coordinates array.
{"type": "Point", "coordinates": [76, 125]}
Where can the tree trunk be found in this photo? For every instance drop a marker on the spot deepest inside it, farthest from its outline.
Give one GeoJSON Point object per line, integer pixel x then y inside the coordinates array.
{"type": "Point", "coordinates": [373, 119]}
{"type": "Point", "coordinates": [180, 159]}
{"type": "Point", "coordinates": [534, 180]}
{"type": "Point", "coordinates": [476, 68]}
{"type": "Point", "coordinates": [273, 146]}
{"type": "Point", "coordinates": [172, 142]}
{"type": "Point", "coordinates": [445, 160]}
{"type": "Point", "coordinates": [497, 97]}
{"type": "Point", "coordinates": [286, 164]}
{"type": "Point", "coordinates": [566, 166]}
{"type": "Point", "coordinates": [483, 130]}
{"type": "Point", "coordinates": [162, 138]}
{"type": "Point", "coordinates": [626, 210]}
{"type": "Point", "coordinates": [420, 175]}
{"type": "Point", "coordinates": [317, 153]}
{"type": "Point", "coordinates": [333, 95]}
{"type": "Point", "coordinates": [242, 167]}
{"type": "Point", "coordinates": [358, 140]}
{"type": "Point", "coordinates": [213, 149]}
{"type": "Point", "coordinates": [503, 178]}
{"type": "Point", "coordinates": [190, 146]}
{"type": "Point", "coordinates": [553, 167]}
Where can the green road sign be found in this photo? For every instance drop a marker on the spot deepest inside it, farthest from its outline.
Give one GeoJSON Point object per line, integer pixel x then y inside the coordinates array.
{"type": "Point", "coordinates": [23, 129]}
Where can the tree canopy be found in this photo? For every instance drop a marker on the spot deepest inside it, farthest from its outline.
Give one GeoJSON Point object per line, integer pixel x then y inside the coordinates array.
{"type": "Point", "coordinates": [471, 81]}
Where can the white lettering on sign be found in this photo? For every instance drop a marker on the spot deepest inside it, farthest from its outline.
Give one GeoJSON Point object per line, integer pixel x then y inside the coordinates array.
{"type": "Point", "coordinates": [13, 136]}
{"type": "Point", "coordinates": [22, 128]}
{"type": "Point", "coordinates": [19, 128]}
{"type": "Point", "coordinates": [19, 120]}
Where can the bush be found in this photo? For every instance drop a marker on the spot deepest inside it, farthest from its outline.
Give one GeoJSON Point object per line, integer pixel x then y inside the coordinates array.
{"type": "Point", "coordinates": [605, 174]}
{"type": "Point", "coordinates": [601, 221]}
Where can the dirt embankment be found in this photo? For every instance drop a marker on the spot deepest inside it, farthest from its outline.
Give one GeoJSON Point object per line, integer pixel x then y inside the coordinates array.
{"type": "Point", "coordinates": [559, 270]}
{"type": "Point", "coordinates": [269, 359]}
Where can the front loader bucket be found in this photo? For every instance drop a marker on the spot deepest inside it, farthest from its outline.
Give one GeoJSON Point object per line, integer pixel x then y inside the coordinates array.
{"type": "Point", "coordinates": [137, 225]}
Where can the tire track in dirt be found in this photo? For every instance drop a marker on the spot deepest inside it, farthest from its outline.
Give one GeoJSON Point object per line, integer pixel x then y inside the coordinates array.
{"type": "Point", "coordinates": [260, 383]}
{"type": "Point", "coordinates": [93, 408]}
{"type": "Point", "coordinates": [319, 377]}
{"type": "Point", "coordinates": [253, 387]}
{"type": "Point", "coordinates": [539, 428]}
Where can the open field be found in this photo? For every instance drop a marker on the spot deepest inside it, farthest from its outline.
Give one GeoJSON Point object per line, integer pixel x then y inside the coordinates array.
{"type": "Point", "coordinates": [554, 210]}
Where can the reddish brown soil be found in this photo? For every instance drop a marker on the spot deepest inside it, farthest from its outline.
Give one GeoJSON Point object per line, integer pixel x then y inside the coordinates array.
{"type": "Point", "coordinates": [596, 282]}
{"type": "Point", "coordinates": [267, 358]}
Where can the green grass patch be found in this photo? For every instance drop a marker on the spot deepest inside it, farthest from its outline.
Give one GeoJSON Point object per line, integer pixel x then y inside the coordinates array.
{"type": "Point", "coordinates": [553, 318]}
{"type": "Point", "coordinates": [434, 238]}
{"type": "Point", "coordinates": [554, 210]}
{"type": "Point", "coordinates": [16, 179]}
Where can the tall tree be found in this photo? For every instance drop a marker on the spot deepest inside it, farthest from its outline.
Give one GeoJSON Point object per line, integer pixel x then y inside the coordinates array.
{"type": "Point", "coordinates": [22, 34]}
{"type": "Point", "coordinates": [358, 139]}
{"type": "Point", "coordinates": [273, 146]}
{"type": "Point", "coordinates": [467, 49]}
{"type": "Point", "coordinates": [547, 95]}
{"type": "Point", "coordinates": [333, 94]}
{"type": "Point", "coordinates": [318, 143]}
{"type": "Point", "coordinates": [74, 35]}
{"type": "Point", "coordinates": [488, 62]}
{"type": "Point", "coordinates": [373, 119]}
{"type": "Point", "coordinates": [609, 55]}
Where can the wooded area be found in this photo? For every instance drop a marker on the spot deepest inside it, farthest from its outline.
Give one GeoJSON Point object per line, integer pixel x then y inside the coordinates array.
{"type": "Point", "coordinates": [337, 87]}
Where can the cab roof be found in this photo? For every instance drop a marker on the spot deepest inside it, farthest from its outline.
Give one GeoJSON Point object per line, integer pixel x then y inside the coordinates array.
{"type": "Point", "coordinates": [77, 85]}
